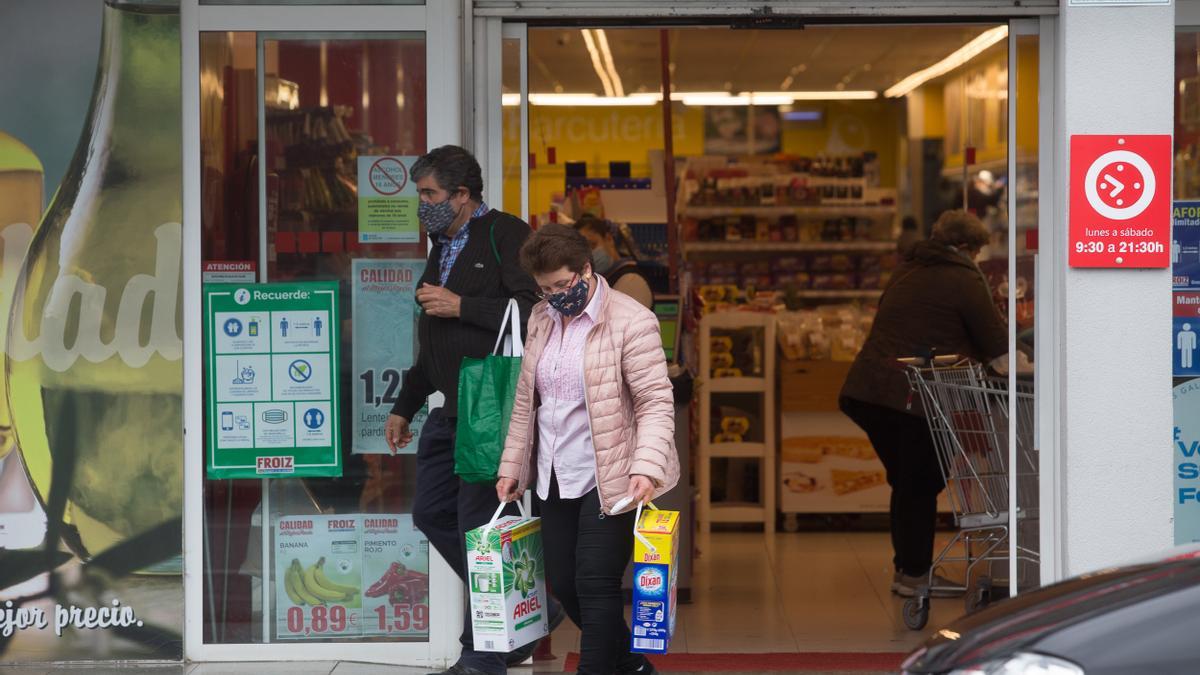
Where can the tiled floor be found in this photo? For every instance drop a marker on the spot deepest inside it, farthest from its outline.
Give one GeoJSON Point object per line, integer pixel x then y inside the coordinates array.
{"type": "Point", "coordinates": [810, 592]}
{"type": "Point", "coordinates": [798, 593]}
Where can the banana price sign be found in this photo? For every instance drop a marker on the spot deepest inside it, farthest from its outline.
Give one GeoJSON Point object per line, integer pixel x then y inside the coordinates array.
{"type": "Point", "coordinates": [318, 576]}
{"type": "Point", "coordinates": [351, 576]}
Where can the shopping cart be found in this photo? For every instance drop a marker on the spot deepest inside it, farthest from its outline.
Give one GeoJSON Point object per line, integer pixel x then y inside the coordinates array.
{"type": "Point", "coordinates": [968, 414]}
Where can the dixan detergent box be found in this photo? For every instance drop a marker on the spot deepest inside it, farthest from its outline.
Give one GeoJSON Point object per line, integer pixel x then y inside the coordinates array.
{"type": "Point", "coordinates": [655, 576]}
{"type": "Point", "coordinates": [507, 580]}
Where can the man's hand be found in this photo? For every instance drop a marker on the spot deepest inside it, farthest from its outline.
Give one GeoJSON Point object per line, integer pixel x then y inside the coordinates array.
{"type": "Point", "coordinates": [641, 489]}
{"type": "Point", "coordinates": [439, 302]}
{"type": "Point", "coordinates": [506, 490]}
{"type": "Point", "coordinates": [397, 433]}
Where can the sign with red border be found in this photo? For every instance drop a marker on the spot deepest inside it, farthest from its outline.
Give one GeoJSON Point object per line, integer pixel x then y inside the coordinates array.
{"type": "Point", "coordinates": [1120, 201]}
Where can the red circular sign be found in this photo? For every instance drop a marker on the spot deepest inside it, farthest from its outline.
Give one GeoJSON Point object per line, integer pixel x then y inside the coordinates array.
{"type": "Point", "coordinates": [388, 176]}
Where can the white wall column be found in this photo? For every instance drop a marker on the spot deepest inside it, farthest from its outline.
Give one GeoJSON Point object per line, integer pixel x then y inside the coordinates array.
{"type": "Point", "coordinates": [1116, 67]}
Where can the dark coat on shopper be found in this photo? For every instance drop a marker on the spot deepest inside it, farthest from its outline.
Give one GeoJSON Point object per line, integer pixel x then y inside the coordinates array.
{"type": "Point", "coordinates": [938, 302]}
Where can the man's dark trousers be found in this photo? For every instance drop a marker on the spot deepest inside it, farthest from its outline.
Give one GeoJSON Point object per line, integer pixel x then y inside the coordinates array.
{"type": "Point", "coordinates": [445, 509]}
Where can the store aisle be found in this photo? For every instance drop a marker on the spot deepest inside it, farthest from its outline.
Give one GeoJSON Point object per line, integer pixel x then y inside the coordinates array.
{"type": "Point", "coordinates": [806, 592]}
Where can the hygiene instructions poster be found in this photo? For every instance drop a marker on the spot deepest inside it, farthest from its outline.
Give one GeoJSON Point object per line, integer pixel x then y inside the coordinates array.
{"type": "Point", "coordinates": [355, 575]}
{"type": "Point", "coordinates": [318, 576]}
{"type": "Point", "coordinates": [272, 384]}
{"type": "Point", "coordinates": [384, 300]}
{"type": "Point", "coordinates": [387, 200]}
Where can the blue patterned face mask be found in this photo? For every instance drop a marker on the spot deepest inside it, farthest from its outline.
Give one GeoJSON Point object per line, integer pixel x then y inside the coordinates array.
{"type": "Point", "coordinates": [436, 218]}
{"type": "Point", "coordinates": [572, 301]}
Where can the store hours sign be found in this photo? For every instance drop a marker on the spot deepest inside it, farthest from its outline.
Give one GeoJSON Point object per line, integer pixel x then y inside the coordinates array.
{"type": "Point", "coordinates": [1120, 208]}
{"type": "Point", "coordinates": [271, 386]}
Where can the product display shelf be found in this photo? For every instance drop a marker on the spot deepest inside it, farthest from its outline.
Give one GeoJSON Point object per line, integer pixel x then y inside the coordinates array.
{"type": "Point", "coordinates": [754, 246]}
{"type": "Point", "coordinates": [814, 210]}
{"type": "Point", "coordinates": [709, 512]}
{"type": "Point", "coordinates": [860, 294]}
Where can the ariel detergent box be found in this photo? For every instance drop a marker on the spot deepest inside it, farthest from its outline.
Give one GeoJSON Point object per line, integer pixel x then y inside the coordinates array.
{"type": "Point", "coordinates": [507, 581]}
{"type": "Point", "coordinates": [655, 576]}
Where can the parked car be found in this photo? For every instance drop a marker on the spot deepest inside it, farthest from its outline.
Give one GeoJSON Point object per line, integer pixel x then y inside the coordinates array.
{"type": "Point", "coordinates": [1143, 618]}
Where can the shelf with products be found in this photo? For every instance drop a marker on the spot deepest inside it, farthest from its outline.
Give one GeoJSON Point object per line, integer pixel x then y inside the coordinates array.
{"type": "Point", "coordinates": [736, 420]}
{"type": "Point", "coordinates": [792, 277]}
{"type": "Point", "coordinates": [765, 211]}
{"type": "Point", "coordinates": [754, 246]}
{"type": "Point", "coordinates": [783, 183]}
{"type": "Point", "coordinates": [312, 158]}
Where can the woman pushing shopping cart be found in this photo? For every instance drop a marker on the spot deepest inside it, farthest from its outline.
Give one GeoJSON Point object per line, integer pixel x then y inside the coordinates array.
{"type": "Point", "coordinates": [938, 301]}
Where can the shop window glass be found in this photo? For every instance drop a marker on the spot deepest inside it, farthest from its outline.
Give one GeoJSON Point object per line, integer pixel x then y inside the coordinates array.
{"type": "Point", "coordinates": [330, 104]}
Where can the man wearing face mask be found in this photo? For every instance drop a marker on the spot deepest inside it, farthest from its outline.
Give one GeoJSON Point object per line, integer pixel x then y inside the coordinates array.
{"type": "Point", "coordinates": [620, 272]}
{"type": "Point", "coordinates": [937, 302]}
{"type": "Point", "coordinates": [473, 269]}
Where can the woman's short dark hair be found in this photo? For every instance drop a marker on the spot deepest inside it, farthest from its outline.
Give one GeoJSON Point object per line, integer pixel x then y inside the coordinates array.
{"type": "Point", "coordinates": [961, 229]}
{"type": "Point", "coordinates": [596, 226]}
{"type": "Point", "coordinates": [452, 167]}
{"type": "Point", "coordinates": [554, 246]}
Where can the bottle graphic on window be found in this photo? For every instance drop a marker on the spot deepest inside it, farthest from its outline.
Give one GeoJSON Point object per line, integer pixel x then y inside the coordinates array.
{"type": "Point", "coordinates": [22, 524]}
{"type": "Point", "coordinates": [93, 362]}
{"type": "Point", "coordinates": [252, 328]}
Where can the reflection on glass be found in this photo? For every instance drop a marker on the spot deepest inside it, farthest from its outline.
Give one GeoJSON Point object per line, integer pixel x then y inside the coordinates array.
{"type": "Point", "coordinates": [327, 100]}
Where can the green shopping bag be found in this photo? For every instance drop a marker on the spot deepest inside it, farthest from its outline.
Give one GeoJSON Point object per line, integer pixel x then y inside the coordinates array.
{"type": "Point", "coordinates": [486, 388]}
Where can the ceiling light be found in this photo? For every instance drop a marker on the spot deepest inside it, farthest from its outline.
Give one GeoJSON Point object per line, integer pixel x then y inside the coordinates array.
{"type": "Point", "coordinates": [710, 98]}
{"type": "Point", "coordinates": [598, 63]}
{"type": "Point", "coordinates": [591, 100]}
{"type": "Point", "coordinates": [606, 53]}
{"type": "Point", "coordinates": [689, 98]}
{"type": "Point", "coordinates": [844, 95]}
{"type": "Point", "coordinates": [958, 58]}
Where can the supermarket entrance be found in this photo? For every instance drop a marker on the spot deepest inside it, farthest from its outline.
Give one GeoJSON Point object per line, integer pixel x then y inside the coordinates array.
{"type": "Point", "coordinates": [768, 203]}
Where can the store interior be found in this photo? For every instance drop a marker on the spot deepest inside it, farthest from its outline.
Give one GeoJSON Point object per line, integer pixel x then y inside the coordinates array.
{"type": "Point", "coordinates": [804, 160]}
{"type": "Point", "coordinates": [800, 162]}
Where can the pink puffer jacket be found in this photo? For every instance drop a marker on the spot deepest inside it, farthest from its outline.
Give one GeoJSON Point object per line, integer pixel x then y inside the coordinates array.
{"type": "Point", "coordinates": [628, 396]}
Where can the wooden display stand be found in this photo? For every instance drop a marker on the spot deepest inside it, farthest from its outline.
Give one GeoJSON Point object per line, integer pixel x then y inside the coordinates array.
{"type": "Point", "coordinates": [763, 511]}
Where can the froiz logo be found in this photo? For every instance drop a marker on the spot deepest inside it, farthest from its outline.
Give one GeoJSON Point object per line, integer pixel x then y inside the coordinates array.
{"type": "Point", "coordinates": [88, 318]}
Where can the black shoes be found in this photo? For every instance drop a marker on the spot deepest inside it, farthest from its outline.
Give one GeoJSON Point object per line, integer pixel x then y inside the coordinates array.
{"type": "Point", "coordinates": [460, 669]}
{"type": "Point", "coordinates": [647, 668]}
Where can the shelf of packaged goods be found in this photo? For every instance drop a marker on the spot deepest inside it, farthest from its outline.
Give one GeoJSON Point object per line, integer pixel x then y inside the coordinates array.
{"type": "Point", "coordinates": [736, 512]}
{"type": "Point", "coordinates": [839, 295]}
{"type": "Point", "coordinates": [818, 210]}
{"type": "Point", "coordinates": [694, 247]}
{"type": "Point", "coordinates": [736, 385]}
{"type": "Point", "coordinates": [738, 450]}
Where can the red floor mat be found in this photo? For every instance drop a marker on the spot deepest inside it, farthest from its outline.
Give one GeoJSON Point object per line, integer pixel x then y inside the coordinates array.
{"type": "Point", "coordinates": [799, 662]}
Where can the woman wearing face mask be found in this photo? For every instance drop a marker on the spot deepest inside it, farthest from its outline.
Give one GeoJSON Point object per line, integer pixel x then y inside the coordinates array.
{"type": "Point", "coordinates": [937, 302]}
{"type": "Point", "coordinates": [593, 425]}
{"type": "Point", "coordinates": [620, 272]}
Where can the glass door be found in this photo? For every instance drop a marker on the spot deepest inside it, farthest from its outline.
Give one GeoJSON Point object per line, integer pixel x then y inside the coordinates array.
{"type": "Point", "coordinates": [309, 121]}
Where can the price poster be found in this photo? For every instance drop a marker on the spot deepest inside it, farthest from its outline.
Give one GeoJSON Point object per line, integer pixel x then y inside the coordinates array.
{"type": "Point", "coordinates": [395, 577]}
{"type": "Point", "coordinates": [385, 318]}
{"type": "Point", "coordinates": [271, 391]}
{"type": "Point", "coordinates": [387, 200]}
{"type": "Point", "coordinates": [351, 576]}
{"type": "Point", "coordinates": [318, 576]}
